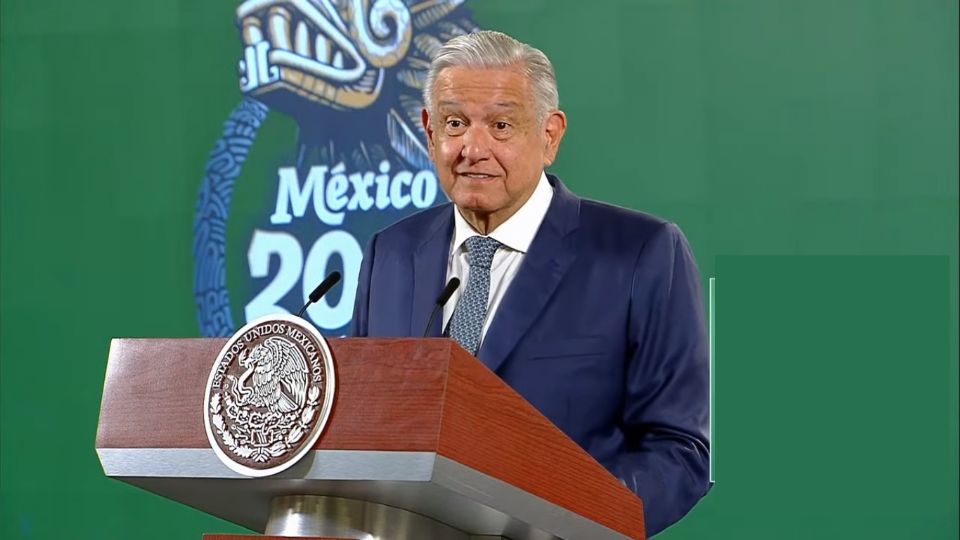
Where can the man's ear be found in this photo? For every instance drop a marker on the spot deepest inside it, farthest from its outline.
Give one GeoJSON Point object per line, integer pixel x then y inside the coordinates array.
{"type": "Point", "coordinates": [553, 127]}
{"type": "Point", "coordinates": [425, 118]}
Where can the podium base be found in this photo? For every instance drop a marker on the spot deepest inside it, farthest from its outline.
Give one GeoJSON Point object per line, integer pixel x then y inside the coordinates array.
{"type": "Point", "coordinates": [334, 517]}
{"type": "Point", "coordinates": [260, 537]}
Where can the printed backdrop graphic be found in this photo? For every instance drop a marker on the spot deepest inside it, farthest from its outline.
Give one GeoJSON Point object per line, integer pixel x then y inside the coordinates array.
{"type": "Point", "coordinates": [350, 74]}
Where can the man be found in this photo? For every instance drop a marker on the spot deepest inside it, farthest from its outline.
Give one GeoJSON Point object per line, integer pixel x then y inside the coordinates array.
{"type": "Point", "coordinates": [591, 312]}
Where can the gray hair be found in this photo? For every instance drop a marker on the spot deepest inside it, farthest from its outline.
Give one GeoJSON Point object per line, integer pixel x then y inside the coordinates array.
{"type": "Point", "coordinates": [489, 49]}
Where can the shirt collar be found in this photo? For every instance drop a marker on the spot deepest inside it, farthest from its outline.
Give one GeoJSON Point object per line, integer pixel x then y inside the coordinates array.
{"type": "Point", "coordinates": [518, 230]}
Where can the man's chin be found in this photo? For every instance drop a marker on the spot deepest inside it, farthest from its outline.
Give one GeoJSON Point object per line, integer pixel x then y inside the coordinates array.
{"type": "Point", "coordinates": [474, 203]}
{"type": "Point", "coordinates": [475, 200]}
{"type": "Point", "coordinates": [474, 209]}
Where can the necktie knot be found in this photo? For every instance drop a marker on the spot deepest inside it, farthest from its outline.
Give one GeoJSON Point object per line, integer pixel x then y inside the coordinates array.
{"type": "Point", "coordinates": [480, 250]}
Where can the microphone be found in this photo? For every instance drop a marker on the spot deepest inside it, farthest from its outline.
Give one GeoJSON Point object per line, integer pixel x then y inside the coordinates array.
{"type": "Point", "coordinates": [321, 290]}
{"type": "Point", "coordinates": [441, 301]}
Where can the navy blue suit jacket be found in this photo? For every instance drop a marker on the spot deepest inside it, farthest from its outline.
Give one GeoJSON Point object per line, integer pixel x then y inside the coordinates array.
{"type": "Point", "coordinates": [602, 330]}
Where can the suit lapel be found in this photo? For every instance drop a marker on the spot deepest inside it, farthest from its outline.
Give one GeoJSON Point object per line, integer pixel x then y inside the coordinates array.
{"type": "Point", "coordinates": [430, 272]}
{"type": "Point", "coordinates": [542, 269]}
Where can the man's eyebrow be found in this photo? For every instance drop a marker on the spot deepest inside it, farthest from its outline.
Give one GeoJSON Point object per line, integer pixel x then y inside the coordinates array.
{"type": "Point", "coordinates": [500, 104]}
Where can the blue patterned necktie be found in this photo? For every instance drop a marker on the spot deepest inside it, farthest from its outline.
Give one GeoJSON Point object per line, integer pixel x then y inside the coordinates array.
{"type": "Point", "coordinates": [467, 320]}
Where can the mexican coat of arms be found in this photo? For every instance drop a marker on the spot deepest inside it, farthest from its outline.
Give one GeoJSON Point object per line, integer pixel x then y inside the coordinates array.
{"type": "Point", "coordinates": [269, 395]}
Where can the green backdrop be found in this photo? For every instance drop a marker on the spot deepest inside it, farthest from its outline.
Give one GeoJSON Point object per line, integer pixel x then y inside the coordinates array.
{"type": "Point", "coordinates": [808, 149]}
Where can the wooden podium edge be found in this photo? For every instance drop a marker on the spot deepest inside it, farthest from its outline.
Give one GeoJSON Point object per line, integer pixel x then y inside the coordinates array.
{"type": "Point", "coordinates": [531, 453]}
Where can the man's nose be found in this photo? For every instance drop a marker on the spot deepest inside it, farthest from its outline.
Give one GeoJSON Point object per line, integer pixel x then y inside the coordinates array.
{"type": "Point", "coordinates": [476, 144]}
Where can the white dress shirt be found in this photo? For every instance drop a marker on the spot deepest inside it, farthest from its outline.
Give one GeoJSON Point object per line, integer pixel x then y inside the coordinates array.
{"type": "Point", "coordinates": [516, 234]}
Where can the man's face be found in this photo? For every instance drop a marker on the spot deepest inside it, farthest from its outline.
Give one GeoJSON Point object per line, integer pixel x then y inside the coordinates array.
{"type": "Point", "coordinates": [487, 142]}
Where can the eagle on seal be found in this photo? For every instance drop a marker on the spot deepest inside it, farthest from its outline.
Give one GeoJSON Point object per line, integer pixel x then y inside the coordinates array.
{"type": "Point", "coordinates": [279, 375]}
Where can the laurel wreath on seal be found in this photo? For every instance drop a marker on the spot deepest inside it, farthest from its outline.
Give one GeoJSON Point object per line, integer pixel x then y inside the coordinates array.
{"type": "Point", "coordinates": [277, 449]}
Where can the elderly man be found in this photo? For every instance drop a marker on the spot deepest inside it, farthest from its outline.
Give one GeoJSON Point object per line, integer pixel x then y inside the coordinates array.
{"type": "Point", "coordinates": [592, 312]}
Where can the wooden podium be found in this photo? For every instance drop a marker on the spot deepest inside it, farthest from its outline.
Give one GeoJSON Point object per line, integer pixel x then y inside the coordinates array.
{"type": "Point", "coordinates": [422, 437]}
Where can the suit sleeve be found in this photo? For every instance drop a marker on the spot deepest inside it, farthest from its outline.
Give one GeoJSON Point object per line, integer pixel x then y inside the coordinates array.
{"type": "Point", "coordinates": [666, 409]}
{"type": "Point", "coordinates": [361, 306]}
